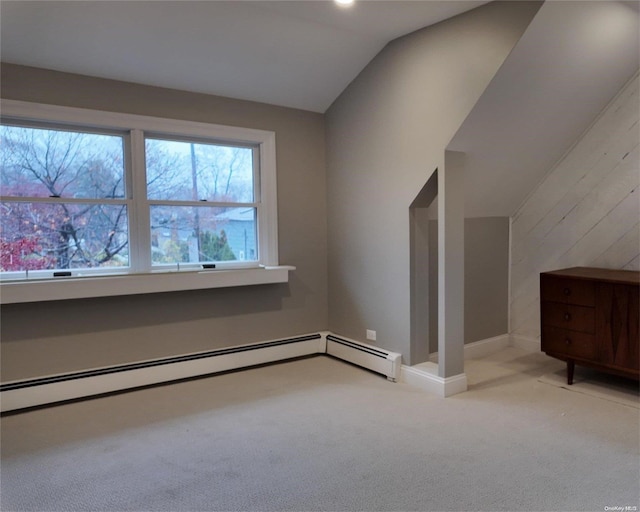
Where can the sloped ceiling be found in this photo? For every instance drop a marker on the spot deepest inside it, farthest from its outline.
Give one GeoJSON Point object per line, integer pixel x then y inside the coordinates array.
{"type": "Point", "coordinates": [296, 53]}
{"type": "Point", "coordinates": [571, 61]}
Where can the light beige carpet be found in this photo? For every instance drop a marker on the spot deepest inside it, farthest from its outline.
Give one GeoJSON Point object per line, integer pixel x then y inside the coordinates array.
{"type": "Point", "coordinates": [320, 435]}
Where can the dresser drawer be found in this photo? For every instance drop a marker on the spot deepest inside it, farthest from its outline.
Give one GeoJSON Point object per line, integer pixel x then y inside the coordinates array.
{"type": "Point", "coordinates": [568, 343]}
{"type": "Point", "coordinates": [568, 291]}
{"type": "Point", "coordinates": [568, 316]}
{"type": "Point", "coordinates": [589, 316]}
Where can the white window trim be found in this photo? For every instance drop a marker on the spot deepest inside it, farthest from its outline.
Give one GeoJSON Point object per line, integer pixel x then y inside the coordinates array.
{"type": "Point", "coordinates": [267, 270]}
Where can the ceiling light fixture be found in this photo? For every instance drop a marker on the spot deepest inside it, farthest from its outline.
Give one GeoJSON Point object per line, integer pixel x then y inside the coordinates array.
{"type": "Point", "coordinates": [344, 3]}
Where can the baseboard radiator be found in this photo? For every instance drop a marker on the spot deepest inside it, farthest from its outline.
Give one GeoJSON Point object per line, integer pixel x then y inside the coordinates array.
{"type": "Point", "coordinates": [27, 393]}
{"type": "Point", "coordinates": [367, 356]}
{"type": "Point", "coordinates": [69, 386]}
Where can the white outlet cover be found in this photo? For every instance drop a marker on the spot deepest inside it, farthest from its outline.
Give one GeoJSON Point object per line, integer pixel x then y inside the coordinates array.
{"type": "Point", "coordinates": [371, 335]}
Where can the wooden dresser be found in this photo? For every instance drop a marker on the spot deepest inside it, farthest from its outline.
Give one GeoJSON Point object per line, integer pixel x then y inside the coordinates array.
{"type": "Point", "coordinates": [590, 317]}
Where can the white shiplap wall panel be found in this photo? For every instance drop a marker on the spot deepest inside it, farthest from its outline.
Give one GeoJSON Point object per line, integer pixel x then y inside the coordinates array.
{"type": "Point", "coordinates": [585, 212]}
{"type": "Point", "coordinates": [623, 252]}
{"type": "Point", "coordinates": [525, 318]}
{"type": "Point", "coordinates": [550, 250]}
{"type": "Point", "coordinates": [604, 234]}
{"type": "Point", "coordinates": [634, 264]}
{"type": "Point", "coordinates": [573, 188]}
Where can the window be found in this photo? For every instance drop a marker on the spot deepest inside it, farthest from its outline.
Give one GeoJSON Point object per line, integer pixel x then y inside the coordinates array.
{"type": "Point", "coordinates": [202, 201]}
{"type": "Point", "coordinates": [87, 193]}
{"type": "Point", "coordinates": [63, 199]}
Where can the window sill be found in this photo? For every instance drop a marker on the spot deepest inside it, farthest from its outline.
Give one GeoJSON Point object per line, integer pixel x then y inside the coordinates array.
{"type": "Point", "coordinates": [132, 284]}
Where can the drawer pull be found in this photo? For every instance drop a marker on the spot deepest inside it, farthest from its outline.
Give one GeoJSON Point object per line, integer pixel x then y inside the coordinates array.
{"type": "Point", "coordinates": [567, 341]}
{"type": "Point", "coordinates": [567, 291]}
{"type": "Point", "coordinates": [567, 316]}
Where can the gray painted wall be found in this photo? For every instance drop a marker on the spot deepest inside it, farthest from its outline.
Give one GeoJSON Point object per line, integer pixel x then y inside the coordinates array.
{"type": "Point", "coordinates": [46, 338]}
{"type": "Point", "coordinates": [386, 134]}
{"type": "Point", "coordinates": [486, 274]}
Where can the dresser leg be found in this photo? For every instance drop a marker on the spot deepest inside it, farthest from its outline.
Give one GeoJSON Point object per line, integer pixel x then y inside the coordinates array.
{"type": "Point", "coordinates": [570, 367]}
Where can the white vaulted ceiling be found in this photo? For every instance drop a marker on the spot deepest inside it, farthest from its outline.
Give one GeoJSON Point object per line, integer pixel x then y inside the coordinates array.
{"type": "Point", "coordinates": [299, 54]}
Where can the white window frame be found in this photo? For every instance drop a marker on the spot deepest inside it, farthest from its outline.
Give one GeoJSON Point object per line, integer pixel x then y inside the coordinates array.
{"type": "Point", "coordinates": [140, 277]}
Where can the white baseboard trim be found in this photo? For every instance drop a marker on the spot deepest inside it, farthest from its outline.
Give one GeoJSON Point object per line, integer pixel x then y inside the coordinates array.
{"type": "Point", "coordinates": [481, 348]}
{"type": "Point", "coordinates": [486, 347]}
{"type": "Point", "coordinates": [525, 343]}
{"type": "Point", "coordinates": [426, 377]}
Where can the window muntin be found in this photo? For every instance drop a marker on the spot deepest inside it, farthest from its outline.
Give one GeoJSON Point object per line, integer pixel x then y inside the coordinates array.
{"type": "Point", "coordinates": [263, 229]}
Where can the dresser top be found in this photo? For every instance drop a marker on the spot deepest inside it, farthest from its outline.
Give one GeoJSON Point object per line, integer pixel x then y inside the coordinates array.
{"type": "Point", "coordinates": [600, 274]}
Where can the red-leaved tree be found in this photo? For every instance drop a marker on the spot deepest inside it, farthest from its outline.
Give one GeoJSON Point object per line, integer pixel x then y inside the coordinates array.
{"type": "Point", "coordinates": [22, 254]}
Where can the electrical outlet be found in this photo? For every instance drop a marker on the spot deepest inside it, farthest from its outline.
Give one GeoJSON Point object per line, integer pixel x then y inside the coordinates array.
{"type": "Point", "coordinates": [371, 335]}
